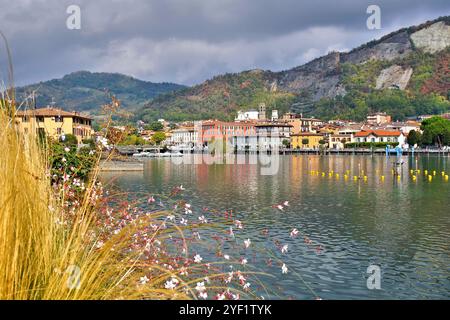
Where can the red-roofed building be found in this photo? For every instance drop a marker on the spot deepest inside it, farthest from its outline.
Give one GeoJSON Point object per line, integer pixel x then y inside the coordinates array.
{"type": "Point", "coordinates": [380, 136]}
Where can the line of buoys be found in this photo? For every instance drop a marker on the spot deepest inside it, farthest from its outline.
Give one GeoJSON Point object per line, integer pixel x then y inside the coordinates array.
{"type": "Point", "coordinates": [429, 175]}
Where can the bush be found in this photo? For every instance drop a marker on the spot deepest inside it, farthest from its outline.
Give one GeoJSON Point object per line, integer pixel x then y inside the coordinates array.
{"type": "Point", "coordinates": [370, 144]}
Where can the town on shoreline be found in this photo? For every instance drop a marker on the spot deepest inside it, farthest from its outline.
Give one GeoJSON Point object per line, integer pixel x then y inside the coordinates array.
{"type": "Point", "coordinates": [251, 132]}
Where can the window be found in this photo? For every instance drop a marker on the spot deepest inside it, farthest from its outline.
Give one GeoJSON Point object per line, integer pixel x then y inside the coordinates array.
{"type": "Point", "coordinates": [59, 119]}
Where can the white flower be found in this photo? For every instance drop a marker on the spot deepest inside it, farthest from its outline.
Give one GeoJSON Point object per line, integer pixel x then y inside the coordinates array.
{"type": "Point", "coordinates": [244, 261]}
{"type": "Point", "coordinates": [284, 269]}
{"type": "Point", "coordinates": [226, 257]}
{"type": "Point", "coordinates": [63, 160]}
{"type": "Point", "coordinates": [220, 296]}
{"type": "Point", "coordinates": [200, 287]}
{"type": "Point", "coordinates": [203, 295]}
{"type": "Point", "coordinates": [284, 249]}
{"type": "Point", "coordinates": [203, 219]}
{"type": "Point", "coordinates": [183, 222]}
{"type": "Point", "coordinates": [231, 232]}
{"type": "Point", "coordinates": [238, 224]}
{"type": "Point", "coordinates": [181, 187]}
{"type": "Point", "coordinates": [66, 149]}
{"type": "Point", "coordinates": [280, 207]}
{"type": "Point", "coordinates": [197, 258]}
{"type": "Point", "coordinates": [170, 217]}
{"type": "Point", "coordinates": [286, 203]}
{"type": "Point", "coordinates": [187, 205]}
{"type": "Point", "coordinates": [246, 286]}
{"type": "Point", "coordinates": [170, 284]}
{"type": "Point", "coordinates": [143, 280]}
{"type": "Point", "coordinates": [247, 243]}
{"type": "Point", "coordinates": [187, 211]}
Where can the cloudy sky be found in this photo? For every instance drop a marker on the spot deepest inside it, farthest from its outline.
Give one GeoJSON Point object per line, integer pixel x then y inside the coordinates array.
{"type": "Point", "coordinates": [189, 41]}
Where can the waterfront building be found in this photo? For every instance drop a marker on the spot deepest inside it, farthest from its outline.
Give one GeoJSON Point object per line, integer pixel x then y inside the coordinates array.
{"type": "Point", "coordinates": [55, 123]}
{"type": "Point", "coordinates": [338, 141]}
{"type": "Point", "coordinates": [184, 137]}
{"type": "Point", "coordinates": [214, 130]}
{"type": "Point", "coordinates": [306, 140]}
{"type": "Point", "coordinates": [380, 136]}
{"type": "Point", "coordinates": [271, 135]}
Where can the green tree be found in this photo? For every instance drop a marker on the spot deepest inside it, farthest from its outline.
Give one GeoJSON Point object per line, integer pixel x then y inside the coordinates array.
{"type": "Point", "coordinates": [158, 137]}
{"type": "Point", "coordinates": [414, 137]}
{"type": "Point", "coordinates": [155, 126]}
{"type": "Point", "coordinates": [436, 131]}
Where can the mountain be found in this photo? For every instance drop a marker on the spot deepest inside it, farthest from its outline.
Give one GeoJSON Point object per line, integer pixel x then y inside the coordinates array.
{"type": "Point", "coordinates": [86, 91]}
{"type": "Point", "coordinates": [405, 73]}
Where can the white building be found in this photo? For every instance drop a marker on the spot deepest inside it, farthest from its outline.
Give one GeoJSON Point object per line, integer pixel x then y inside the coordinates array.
{"type": "Point", "coordinates": [274, 115]}
{"type": "Point", "coordinates": [380, 136]}
{"type": "Point", "coordinates": [247, 115]}
{"type": "Point", "coordinates": [185, 137]}
{"type": "Point", "coordinates": [268, 136]}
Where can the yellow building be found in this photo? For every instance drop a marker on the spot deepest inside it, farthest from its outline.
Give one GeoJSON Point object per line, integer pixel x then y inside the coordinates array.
{"type": "Point", "coordinates": [306, 140]}
{"type": "Point", "coordinates": [54, 123]}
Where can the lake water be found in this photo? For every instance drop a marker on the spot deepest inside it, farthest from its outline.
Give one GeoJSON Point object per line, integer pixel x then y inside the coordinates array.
{"type": "Point", "coordinates": [401, 225]}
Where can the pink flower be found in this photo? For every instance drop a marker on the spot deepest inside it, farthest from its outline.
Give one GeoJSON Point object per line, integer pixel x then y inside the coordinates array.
{"type": "Point", "coordinates": [151, 199]}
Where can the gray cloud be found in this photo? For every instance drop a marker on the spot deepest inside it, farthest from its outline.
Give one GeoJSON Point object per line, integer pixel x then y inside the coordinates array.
{"type": "Point", "coordinates": [190, 41]}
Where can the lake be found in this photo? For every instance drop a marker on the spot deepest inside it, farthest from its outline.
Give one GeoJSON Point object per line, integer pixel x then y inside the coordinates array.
{"type": "Point", "coordinates": [400, 224]}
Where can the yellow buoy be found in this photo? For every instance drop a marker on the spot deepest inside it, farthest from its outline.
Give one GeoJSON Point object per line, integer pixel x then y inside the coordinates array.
{"type": "Point", "coordinates": [414, 178]}
{"type": "Point", "coordinates": [355, 178]}
{"type": "Point", "coordinates": [446, 177]}
{"type": "Point", "coordinates": [425, 172]}
{"type": "Point", "coordinates": [430, 178]}
{"type": "Point", "coordinates": [398, 177]}
{"type": "Point", "coordinates": [365, 178]}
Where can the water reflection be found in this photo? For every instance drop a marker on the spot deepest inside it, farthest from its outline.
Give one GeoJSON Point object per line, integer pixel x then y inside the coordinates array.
{"type": "Point", "coordinates": [400, 224]}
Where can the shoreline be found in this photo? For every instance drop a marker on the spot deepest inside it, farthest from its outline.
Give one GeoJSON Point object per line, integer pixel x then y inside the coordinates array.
{"type": "Point", "coordinates": [120, 165]}
{"type": "Point", "coordinates": [131, 164]}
